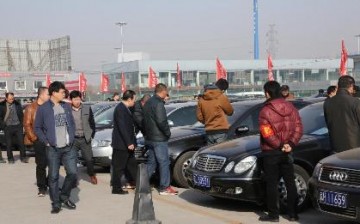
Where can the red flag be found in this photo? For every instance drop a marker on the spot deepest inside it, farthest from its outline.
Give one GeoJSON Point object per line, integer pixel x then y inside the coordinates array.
{"type": "Point", "coordinates": [178, 76]}
{"type": "Point", "coordinates": [72, 85]}
{"type": "Point", "coordinates": [270, 69]}
{"type": "Point", "coordinates": [221, 72]}
{"type": "Point", "coordinates": [343, 61]}
{"type": "Point", "coordinates": [82, 82]}
{"type": "Point", "coordinates": [48, 80]}
{"type": "Point", "coordinates": [153, 81]}
{"type": "Point", "coordinates": [104, 85]}
{"type": "Point", "coordinates": [123, 83]}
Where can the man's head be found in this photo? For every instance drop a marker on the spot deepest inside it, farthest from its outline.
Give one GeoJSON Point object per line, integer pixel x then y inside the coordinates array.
{"type": "Point", "coordinates": [347, 82]}
{"type": "Point", "coordinates": [145, 98]}
{"type": "Point", "coordinates": [9, 97]}
{"type": "Point", "coordinates": [129, 98]}
{"type": "Point", "coordinates": [331, 91]}
{"type": "Point", "coordinates": [222, 84]}
{"type": "Point", "coordinates": [43, 93]}
{"type": "Point", "coordinates": [161, 90]}
{"type": "Point", "coordinates": [116, 97]}
{"type": "Point", "coordinates": [321, 91]}
{"type": "Point", "coordinates": [272, 90]}
{"type": "Point", "coordinates": [284, 89]}
{"type": "Point", "coordinates": [75, 97]}
{"type": "Point", "coordinates": [57, 91]}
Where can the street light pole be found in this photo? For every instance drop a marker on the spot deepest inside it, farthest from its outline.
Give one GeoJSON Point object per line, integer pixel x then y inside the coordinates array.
{"type": "Point", "coordinates": [121, 24]}
{"type": "Point", "coordinates": [358, 43]}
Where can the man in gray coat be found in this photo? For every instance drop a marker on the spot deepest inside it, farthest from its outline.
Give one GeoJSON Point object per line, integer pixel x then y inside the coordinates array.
{"type": "Point", "coordinates": [84, 131]}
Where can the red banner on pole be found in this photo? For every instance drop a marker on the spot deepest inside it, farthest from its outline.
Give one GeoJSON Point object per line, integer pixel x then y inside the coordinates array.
{"type": "Point", "coordinates": [270, 69]}
{"type": "Point", "coordinates": [178, 76]}
{"type": "Point", "coordinates": [221, 72]}
{"type": "Point", "coordinates": [104, 86]}
{"type": "Point", "coordinates": [123, 82]}
{"type": "Point", "coordinates": [343, 60]}
{"type": "Point", "coordinates": [153, 80]}
{"type": "Point", "coordinates": [82, 82]}
{"type": "Point", "coordinates": [72, 85]}
{"type": "Point", "coordinates": [47, 80]}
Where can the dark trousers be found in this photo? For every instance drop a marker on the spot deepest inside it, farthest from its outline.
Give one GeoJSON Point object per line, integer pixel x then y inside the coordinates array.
{"type": "Point", "coordinates": [122, 160]}
{"type": "Point", "coordinates": [86, 153]}
{"type": "Point", "coordinates": [41, 164]}
{"type": "Point", "coordinates": [275, 167]}
{"type": "Point", "coordinates": [14, 132]}
{"type": "Point", "coordinates": [68, 157]}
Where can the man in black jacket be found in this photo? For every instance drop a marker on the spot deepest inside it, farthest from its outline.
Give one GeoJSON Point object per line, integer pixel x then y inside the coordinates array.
{"type": "Point", "coordinates": [342, 115]}
{"type": "Point", "coordinates": [138, 113]}
{"type": "Point", "coordinates": [157, 135]}
{"type": "Point", "coordinates": [11, 121]}
{"type": "Point", "coordinates": [123, 142]}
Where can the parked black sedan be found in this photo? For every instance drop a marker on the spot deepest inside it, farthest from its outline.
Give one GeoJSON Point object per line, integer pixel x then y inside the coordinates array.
{"type": "Point", "coordinates": [335, 185]}
{"type": "Point", "coordinates": [233, 169]}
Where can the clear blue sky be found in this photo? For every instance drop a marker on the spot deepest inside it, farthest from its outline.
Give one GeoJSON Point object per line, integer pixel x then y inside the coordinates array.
{"type": "Point", "coordinates": [184, 29]}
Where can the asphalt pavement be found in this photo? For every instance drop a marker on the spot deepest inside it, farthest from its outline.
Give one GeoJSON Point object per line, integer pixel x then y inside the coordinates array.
{"type": "Point", "coordinates": [95, 203]}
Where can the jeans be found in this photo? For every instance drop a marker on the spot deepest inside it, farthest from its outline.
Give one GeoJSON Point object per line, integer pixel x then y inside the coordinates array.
{"type": "Point", "coordinates": [17, 131]}
{"type": "Point", "coordinates": [275, 167]}
{"type": "Point", "coordinates": [216, 138]}
{"type": "Point", "coordinates": [159, 154]}
{"type": "Point", "coordinates": [68, 157]}
{"type": "Point", "coordinates": [122, 160]}
{"type": "Point", "coordinates": [41, 164]}
{"type": "Point", "coordinates": [87, 154]}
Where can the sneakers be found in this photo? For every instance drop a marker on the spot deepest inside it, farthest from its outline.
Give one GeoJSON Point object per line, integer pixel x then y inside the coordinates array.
{"type": "Point", "coordinates": [168, 191]}
{"type": "Point", "coordinates": [41, 193]}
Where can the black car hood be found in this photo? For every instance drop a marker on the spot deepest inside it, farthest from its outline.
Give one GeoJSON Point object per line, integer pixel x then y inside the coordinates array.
{"type": "Point", "coordinates": [240, 147]}
{"type": "Point", "coordinates": [347, 159]}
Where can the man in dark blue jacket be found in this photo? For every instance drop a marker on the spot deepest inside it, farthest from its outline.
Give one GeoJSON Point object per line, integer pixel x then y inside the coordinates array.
{"type": "Point", "coordinates": [55, 127]}
{"type": "Point", "coordinates": [123, 142]}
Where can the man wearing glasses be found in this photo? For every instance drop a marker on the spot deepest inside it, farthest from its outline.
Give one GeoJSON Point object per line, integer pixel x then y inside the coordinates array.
{"type": "Point", "coordinates": [55, 127]}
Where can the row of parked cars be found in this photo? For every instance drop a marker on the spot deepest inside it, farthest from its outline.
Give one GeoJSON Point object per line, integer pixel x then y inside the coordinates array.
{"type": "Point", "coordinates": [232, 169]}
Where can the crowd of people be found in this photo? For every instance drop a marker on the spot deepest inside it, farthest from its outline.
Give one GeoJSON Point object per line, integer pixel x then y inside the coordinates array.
{"type": "Point", "coordinates": [58, 130]}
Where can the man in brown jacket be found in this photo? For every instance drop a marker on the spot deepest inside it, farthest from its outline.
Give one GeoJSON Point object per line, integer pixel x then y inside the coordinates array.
{"type": "Point", "coordinates": [31, 139]}
{"type": "Point", "coordinates": [213, 109]}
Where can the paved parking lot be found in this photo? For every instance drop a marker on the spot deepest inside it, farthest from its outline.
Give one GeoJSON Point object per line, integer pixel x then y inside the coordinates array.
{"type": "Point", "coordinates": [95, 204]}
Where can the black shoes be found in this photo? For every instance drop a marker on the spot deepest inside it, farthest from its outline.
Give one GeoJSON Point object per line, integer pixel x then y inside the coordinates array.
{"type": "Point", "coordinates": [41, 193]}
{"type": "Point", "coordinates": [293, 218]}
{"type": "Point", "coordinates": [11, 161]}
{"type": "Point", "coordinates": [69, 204]}
{"type": "Point", "coordinates": [25, 160]}
{"type": "Point", "coordinates": [55, 210]}
{"type": "Point", "coordinates": [268, 218]}
{"type": "Point", "coordinates": [118, 191]}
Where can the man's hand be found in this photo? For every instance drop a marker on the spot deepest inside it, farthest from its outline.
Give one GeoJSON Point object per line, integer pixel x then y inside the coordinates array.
{"type": "Point", "coordinates": [286, 148]}
{"type": "Point", "coordinates": [131, 147]}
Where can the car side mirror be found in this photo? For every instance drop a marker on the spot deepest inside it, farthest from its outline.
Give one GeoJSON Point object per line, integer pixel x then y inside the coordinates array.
{"type": "Point", "coordinates": [171, 123]}
{"type": "Point", "coordinates": [242, 130]}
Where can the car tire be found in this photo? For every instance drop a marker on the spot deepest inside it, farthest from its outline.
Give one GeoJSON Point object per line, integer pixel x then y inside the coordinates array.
{"type": "Point", "coordinates": [301, 179]}
{"type": "Point", "coordinates": [181, 164]}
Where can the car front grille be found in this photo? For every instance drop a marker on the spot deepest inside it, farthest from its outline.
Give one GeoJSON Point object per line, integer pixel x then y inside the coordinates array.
{"type": "Point", "coordinates": [210, 163]}
{"type": "Point", "coordinates": [349, 212]}
{"type": "Point", "coordinates": [340, 176]}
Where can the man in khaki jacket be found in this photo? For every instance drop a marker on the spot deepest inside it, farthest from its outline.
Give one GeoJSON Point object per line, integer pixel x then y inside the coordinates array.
{"type": "Point", "coordinates": [31, 139]}
{"type": "Point", "coordinates": [213, 109]}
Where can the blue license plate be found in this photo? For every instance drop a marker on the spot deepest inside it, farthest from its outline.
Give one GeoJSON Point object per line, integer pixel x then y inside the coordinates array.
{"type": "Point", "coordinates": [333, 198]}
{"type": "Point", "coordinates": [201, 181]}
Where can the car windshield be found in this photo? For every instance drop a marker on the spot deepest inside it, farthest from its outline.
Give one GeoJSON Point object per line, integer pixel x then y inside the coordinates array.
{"type": "Point", "coordinates": [168, 109]}
{"type": "Point", "coordinates": [106, 118]}
{"type": "Point", "coordinates": [313, 119]}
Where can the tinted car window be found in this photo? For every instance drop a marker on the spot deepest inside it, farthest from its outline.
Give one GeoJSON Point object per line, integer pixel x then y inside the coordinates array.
{"type": "Point", "coordinates": [252, 120]}
{"type": "Point", "coordinates": [183, 116]}
{"type": "Point", "coordinates": [313, 119]}
{"type": "Point", "coordinates": [105, 118]}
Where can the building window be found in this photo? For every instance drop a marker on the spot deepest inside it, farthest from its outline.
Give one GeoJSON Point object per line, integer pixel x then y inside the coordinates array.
{"type": "Point", "coordinates": [20, 85]}
{"type": "Point", "coordinates": [3, 85]}
{"type": "Point", "coordinates": [38, 84]}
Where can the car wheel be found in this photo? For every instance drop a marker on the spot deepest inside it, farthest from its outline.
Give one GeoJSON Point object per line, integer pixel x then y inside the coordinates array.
{"type": "Point", "coordinates": [179, 169]}
{"type": "Point", "coordinates": [301, 180]}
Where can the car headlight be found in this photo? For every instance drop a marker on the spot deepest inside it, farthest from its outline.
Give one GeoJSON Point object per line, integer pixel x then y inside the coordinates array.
{"type": "Point", "coordinates": [317, 170]}
{"type": "Point", "coordinates": [100, 143]}
{"type": "Point", "coordinates": [245, 164]}
{"type": "Point", "coordinates": [229, 167]}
